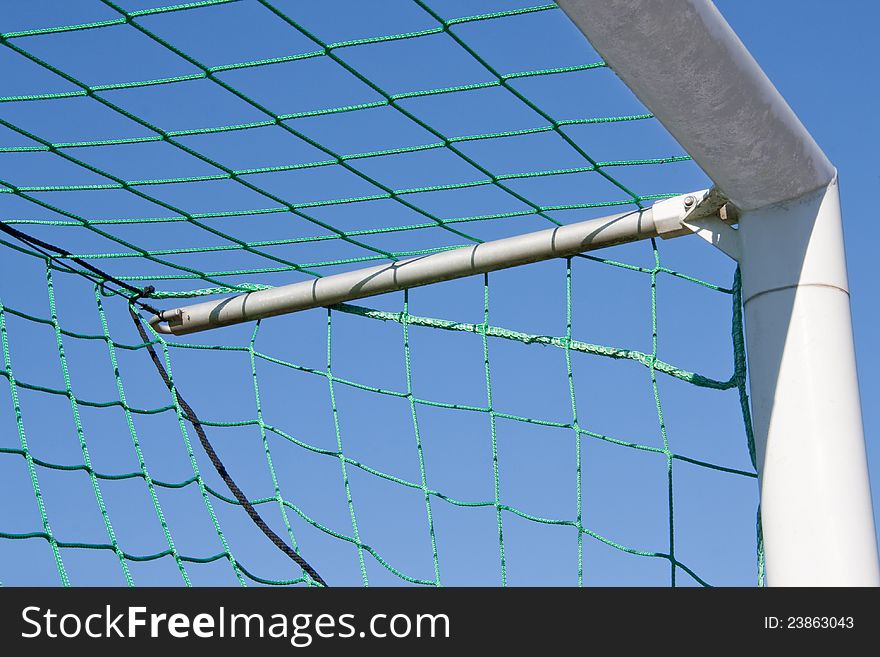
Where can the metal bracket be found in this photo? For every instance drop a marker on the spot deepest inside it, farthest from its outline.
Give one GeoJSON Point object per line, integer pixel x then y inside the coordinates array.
{"type": "Point", "coordinates": [705, 213]}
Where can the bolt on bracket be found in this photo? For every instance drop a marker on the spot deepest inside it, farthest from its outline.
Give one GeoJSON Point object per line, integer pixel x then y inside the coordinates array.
{"type": "Point", "coordinates": [705, 213]}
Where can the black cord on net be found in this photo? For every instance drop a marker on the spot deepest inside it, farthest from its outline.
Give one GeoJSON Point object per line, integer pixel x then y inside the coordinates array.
{"type": "Point", "coordinates": [137, 299]}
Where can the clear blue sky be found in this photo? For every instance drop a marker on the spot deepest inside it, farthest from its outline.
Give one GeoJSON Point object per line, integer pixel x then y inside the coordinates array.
{"type": "Point", "coordinates": [819, 59]}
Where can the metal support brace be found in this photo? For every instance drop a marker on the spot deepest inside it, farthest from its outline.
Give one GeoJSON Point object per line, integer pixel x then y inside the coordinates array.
{"type": "Point", "coordinates": [706, 213]}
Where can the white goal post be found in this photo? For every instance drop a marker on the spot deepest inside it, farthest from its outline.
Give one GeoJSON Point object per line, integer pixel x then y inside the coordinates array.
{"type": "Point", "coordinates": [684, 62]}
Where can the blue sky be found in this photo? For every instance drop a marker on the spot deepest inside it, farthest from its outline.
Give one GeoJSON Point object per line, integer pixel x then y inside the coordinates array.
{"type": "Point", "coordinates": [444, 439]}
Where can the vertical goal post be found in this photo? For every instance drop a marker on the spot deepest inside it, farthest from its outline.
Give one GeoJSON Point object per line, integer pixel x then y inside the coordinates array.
{"type": "Point", "coordinates": [685, 63]}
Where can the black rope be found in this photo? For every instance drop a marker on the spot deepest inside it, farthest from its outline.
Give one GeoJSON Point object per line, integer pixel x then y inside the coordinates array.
{"type": "Point", "coordinates": [137, 299]}
{"type": "Point", "coordinates": [218, 464]}
{"type": "Point", "coordinates": [40, 244]}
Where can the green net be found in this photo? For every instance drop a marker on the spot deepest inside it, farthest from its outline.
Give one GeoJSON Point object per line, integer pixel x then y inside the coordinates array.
{"type": "Point", "coordinates": [278, 174]}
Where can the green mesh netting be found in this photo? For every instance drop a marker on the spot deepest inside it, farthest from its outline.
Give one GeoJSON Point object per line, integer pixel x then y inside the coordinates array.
{"type": "Point", "coordinates": [152, 231]}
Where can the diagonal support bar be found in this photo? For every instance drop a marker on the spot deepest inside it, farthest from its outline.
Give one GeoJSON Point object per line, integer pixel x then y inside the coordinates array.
{"type": "Point", "coordinates": [679, 215]}
{"type": "Point", "coordinates": [559, 242]}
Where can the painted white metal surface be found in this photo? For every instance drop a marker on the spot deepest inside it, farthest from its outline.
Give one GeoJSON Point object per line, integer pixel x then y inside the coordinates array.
{"type": "Point", "coordinates": [815, 497]}
{"type": "Point", "coordinates": [684, 62]}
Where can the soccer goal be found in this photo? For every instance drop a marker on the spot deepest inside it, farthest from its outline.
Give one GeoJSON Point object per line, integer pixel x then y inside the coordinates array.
{"type": "Point", "coordinates": [425, 292]}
